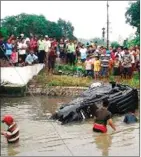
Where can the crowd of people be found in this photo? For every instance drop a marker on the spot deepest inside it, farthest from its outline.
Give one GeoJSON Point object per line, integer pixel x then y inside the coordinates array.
{"type": "Point", "coordinates": [97, 60]}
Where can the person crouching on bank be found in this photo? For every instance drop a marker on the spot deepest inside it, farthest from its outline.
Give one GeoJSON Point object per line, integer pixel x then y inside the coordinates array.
{"type": "Point", "coordinates": [12, 133]}
{"type": "Point", "coordinates": [103, 117]}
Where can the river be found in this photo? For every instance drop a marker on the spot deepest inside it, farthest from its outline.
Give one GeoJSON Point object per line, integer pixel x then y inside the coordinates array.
{"type": "Point", "coordinates": [48, 138]}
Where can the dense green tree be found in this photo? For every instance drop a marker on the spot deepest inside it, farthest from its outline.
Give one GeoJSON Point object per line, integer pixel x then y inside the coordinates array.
{"type": "Point", "coordinates": [54, 30]}
{"type": "Point", "coordinates": [4, 33]}
{"type": "Point", "coordinates": [133, 15]}
{"type": "Point", "coordinates": [133, 42]}
{"type": "Point", "coordinates": [115, 44]}
{"type": "Point", "coordinates": [67, 29]}
{"type": "Point", "coordinates": [26, 24]}
{"type": "Point", "coordinates": [38, 25]}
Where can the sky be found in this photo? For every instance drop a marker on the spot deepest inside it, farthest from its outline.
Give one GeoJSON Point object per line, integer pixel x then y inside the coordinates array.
{"type": "Point", "coordinates": [87, 17]}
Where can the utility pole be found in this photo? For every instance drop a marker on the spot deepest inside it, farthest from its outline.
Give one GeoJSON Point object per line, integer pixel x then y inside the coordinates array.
{"type": "Point", "coordinates": [107, 25]}
{"type": "Point", "coordinates": [103, 34]}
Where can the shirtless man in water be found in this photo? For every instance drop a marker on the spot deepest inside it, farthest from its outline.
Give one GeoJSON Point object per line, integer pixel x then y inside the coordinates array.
{"type": "Point", "coordinates": [103, 117]}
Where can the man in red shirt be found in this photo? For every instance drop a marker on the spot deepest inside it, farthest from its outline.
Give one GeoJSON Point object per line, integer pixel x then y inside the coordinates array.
{"type": "Point", "coordinates": [33, 44]}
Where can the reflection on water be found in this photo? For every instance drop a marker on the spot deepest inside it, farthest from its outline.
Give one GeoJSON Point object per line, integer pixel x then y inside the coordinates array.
{"type": "Point", "coordinates": [48, 138]}
{"type": "Point", "coordinates": [103, 142]}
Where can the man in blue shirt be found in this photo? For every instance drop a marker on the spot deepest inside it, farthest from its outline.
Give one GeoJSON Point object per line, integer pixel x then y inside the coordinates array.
{"type": "Point", "coordinates": [31, 58]}
{"type": "Point", "coordinates": [130, 118]}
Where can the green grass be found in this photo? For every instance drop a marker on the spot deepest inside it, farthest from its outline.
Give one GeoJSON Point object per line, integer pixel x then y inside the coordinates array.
{"type": "Point", "coordinates": [65, 80]}
{"type": "Point", "coordinates": [134, 82]}
{"type": "Point", "coordinates": [67, 69]}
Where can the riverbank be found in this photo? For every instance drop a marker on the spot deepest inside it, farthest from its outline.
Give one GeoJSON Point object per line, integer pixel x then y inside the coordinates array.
{"type": "Point", "coordinates": [63, 85]}
{"type": "Point", "coordinates": [56, 85]}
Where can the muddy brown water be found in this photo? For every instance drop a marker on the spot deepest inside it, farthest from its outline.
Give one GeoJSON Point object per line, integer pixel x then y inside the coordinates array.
{"type": "Point", "coordinates": [48, 138]}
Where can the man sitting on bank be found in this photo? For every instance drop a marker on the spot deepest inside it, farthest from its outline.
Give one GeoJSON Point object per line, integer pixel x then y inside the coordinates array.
{"type": "Point", "coordinates": [31, 58]}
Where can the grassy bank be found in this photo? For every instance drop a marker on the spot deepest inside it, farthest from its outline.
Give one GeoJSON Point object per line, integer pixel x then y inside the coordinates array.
{"type": "Point", "coordinates": [64, 80]}
{"type": "Point", "coordinates": [60, 80]}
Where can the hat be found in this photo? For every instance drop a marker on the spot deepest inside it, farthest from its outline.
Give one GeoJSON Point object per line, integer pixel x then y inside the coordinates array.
{"type": "Point", "coordinates": [22, 35]}
{"type": "Point", "coordinates": [8, 119]}
{"type": "Point", "coordinates": [46, 36]}
{"type": "Point", "coordinates": [27, 39]}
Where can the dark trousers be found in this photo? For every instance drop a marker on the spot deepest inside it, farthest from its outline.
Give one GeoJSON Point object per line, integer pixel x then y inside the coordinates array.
{"type": "Point", "coordinates": [71, 58]}
{"type": "Point", "coordinates": [127, 71]}
{"type": "Point", "coordinates": [23, 57]}
{"type": "Point", "coordinates": [89, 73]}
{"type": "Point", "coordinates": [41, 56]}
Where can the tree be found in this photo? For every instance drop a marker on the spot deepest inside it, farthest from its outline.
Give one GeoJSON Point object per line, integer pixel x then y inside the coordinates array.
{"type": "Point", "coordinates": [67, 29]}
{"type": "Point", "coordinates": [133, 42]}
{"type": "Point", "coordinates": [54, 30]}
{"type": "Point", "coordinates": [4, 33]}
{"type": "Point", "coordinates": [115, 44]}
{"type": "Point", "coordinates": [25, 23]}
{"type": "Point", "coordinates": [125, 43]}
{"type": "Point", "coordinates": [98, 41]}
{"type": "Point", "coordinates": [133, 15]}
{"type": "Point", "coordinates": [37, 25]}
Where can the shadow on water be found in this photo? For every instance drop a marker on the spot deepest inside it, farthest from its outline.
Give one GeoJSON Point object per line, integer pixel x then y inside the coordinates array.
{"type": "Point", "coordinates": [103, 142]}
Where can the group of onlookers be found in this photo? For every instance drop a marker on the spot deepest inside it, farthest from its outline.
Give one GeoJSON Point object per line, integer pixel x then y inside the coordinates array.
{"type": "Point", "coordinates": [18, 51]}
{"type": "Point", "coordinates": [97, 60]}
{"type": "Point", "coordinates": [119, 62]}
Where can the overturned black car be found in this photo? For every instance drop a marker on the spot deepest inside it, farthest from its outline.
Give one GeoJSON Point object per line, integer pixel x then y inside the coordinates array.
{"type": "Point", "coordinates": [122, 99]}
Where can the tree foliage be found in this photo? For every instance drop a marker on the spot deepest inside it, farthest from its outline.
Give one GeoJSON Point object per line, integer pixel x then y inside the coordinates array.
{"type": "Point", "coordinates": [134, 42]}
{"type": "Point", "coordinates": [3, 33]}
{"type": "Point", "coordinates": [133, 15]}
{"type": "Point", "coordinates": [115, 44]}
{"type": "Point", "coordinates": [36, 24]}
{"type": "Point", "coordinates": [67, 28]}
{"type": "Point", "coordinates": [99, 41]}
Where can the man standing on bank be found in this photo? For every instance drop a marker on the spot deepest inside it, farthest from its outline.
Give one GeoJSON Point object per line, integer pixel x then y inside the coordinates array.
{"type": "Point", "coordinates": [103, 117]}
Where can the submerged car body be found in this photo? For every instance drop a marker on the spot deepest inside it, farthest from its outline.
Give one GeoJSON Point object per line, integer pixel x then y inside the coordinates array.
{"type": "Point", "coordinates": [122, 99]}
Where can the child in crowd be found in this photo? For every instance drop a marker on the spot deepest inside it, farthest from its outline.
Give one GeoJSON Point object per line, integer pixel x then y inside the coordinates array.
{"type": "Point", "coordinates": [97, 67]}
{"type": "Point", "coordinates": [14, 56]}
{"type": "Point", "coordinates": [111, 62]}
{"type": "Point", "coordinates": [8, 47]}
{"type": "Point", "coordinates": [83, 53]}
{"type": "Point", "coordinates": [116, 64]}
{"type": "Point", "coordinates": [88, 66]}
{"type": "Point", "coordinates": [130, 118]}
{"type": "Point", "coordinates": [79, 66]}
{"type": "Point", "coordinates": [21, 63]}
{"type": "Point", "coordinates": [12, 133]}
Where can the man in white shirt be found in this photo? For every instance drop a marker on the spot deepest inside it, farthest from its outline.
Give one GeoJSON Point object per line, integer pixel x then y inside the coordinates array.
{"type": "Point", "coordinates": [47, 47]}
{"type": "Point", "coordinates": [83, 53]}
{"type": "Point", "coordinates": [22, 47]}
{"type": "Point", "coordinates": [47, 43]}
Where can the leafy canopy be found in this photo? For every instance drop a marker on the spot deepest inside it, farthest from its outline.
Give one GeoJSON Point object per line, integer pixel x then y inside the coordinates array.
{"type": "Point", "coordinates": [133, 15]}
{"type": "Point", "coordinates": [36, 24]}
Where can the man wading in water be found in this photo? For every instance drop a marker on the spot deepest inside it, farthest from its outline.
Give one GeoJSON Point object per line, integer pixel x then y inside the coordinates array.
{"type": "Point", "coordinates": [12, 133]}
{"type": "Point", "coordinates": [103, 117]}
